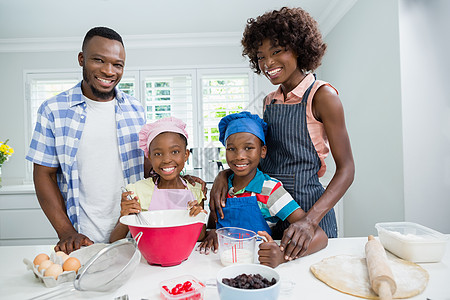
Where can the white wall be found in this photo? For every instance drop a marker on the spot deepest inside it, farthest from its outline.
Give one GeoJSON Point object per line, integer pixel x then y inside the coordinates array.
{"type": "Point", "coordinates": [389, 60]}
{"type": "Point", "coordinates": [425, 63]}
{"type": "Point", "coordinates": [13, 106]}
{"type": "Point", "coordinates": [363, 63]}
{"type": "Point", "coordinates": [55, 18]}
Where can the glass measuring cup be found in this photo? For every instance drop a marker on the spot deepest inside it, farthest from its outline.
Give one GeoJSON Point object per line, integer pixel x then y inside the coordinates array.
{"type": "Point", "coordinates": [236, 245]}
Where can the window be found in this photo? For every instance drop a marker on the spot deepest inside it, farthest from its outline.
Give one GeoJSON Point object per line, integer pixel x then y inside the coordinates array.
{"type": "Point", "coordinates": [200, 97]}
{"type": "Point", "coordinates": [44, 86]}
{"type": "Point", "coordinates": [222, 95]}
{"type": "Point", "coordinates": [170, 93]}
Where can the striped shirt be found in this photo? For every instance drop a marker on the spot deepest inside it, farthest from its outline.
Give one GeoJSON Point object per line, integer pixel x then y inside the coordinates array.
{"type": "Point", "coordinates": [56, 138]}
{"type": "Point", "coordinates": [273, 200]}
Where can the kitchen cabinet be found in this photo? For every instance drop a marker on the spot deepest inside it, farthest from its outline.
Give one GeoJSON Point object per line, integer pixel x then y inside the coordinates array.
{"type": "Point", "coordinates": [22, 221]}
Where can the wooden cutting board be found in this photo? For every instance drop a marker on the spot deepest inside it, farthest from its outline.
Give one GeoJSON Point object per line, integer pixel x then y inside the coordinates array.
{"type": "Point", "coordinates": [349, 274]}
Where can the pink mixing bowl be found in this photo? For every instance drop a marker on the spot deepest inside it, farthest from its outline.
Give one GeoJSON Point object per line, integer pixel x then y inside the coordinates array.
{"type": "Point", "coordinates": [170, 236]}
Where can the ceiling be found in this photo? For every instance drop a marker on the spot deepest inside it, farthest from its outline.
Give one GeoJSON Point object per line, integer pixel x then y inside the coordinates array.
{"type": "Point", "coordinates": [25, 19]}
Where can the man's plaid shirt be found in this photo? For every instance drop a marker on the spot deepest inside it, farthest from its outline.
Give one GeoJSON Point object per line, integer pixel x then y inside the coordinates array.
{"type": "Point", "coordinates": [57, 134]}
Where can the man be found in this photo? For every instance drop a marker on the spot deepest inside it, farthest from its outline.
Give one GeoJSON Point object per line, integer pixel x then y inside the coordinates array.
{"type": "Point", "coordinates": [85, 146]}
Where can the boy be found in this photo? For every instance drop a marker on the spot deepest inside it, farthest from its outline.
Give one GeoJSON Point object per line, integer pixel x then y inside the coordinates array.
{"type": "Point", "coordinates": [254, 200]}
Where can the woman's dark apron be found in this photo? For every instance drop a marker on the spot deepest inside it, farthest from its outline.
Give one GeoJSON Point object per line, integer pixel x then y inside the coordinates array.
{"type": "Point", "coordinates": [292, 159]}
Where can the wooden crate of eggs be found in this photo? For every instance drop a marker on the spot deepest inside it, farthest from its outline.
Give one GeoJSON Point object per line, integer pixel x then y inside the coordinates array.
{"type": "Point", "coordinates": [60, 267]}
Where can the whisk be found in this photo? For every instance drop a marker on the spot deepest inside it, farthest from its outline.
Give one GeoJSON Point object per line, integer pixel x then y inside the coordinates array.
{"type": "Point", "coordinates": [139, 217]}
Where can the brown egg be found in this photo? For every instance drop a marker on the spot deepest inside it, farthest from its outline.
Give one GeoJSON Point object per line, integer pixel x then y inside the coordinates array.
{"type": "Point", "coordinates": [40, 258]}
{"type": "Point", "coordinates": [63, 255]}
{"type": "Point", "coordinates": [71, 264]}
{"type": "Point", "coordinates": [45, 265]}
{"type": "Point", "coordinates": [54, 270]}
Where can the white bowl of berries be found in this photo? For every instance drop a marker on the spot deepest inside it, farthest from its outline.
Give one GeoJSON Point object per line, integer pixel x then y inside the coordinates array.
{"type": "Point", "coordinates": [248, 282]}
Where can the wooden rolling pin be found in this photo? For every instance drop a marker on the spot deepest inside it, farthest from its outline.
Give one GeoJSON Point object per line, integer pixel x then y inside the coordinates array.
{"type": "Point", "coordinates": [380, 274]}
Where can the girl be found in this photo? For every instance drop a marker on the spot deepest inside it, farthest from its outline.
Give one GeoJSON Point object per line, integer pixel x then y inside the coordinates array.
{"type": "Point", "coordinates": [305, 119]}
{"type": "Point", "coordinates": [165, 144]}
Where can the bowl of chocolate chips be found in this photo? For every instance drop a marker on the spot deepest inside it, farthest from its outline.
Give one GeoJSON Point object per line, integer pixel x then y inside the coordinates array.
{"type": "Point", "coordinates": [248, 282]}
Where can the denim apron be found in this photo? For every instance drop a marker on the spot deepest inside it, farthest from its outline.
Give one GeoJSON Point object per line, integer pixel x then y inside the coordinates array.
{"type": "Point", "coordinates": [292, 159]}
{"type": "Point", "coordinates": [243, 212]}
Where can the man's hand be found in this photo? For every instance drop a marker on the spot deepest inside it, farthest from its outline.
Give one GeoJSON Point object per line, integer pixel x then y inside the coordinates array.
{"type": "Point", "coordinates": [72, 242]}
{"type": "Point", "coordinates": [209, 243]}
{"type": "Point", "coordinates": [53, 205]}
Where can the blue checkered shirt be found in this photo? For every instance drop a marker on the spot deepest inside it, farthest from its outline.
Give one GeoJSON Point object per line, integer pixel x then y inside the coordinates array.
{"type": "Point", "coordinates": [56, 137]}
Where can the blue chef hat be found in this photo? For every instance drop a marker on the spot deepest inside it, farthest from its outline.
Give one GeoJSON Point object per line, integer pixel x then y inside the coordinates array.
{"type": "Point", "coordinates": [242, 122]}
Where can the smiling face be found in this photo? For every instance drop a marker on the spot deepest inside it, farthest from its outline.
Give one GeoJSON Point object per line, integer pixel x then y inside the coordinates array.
{"type": "Point", "coordinates": [103, 61]}
{"type": "Point", "coordinates": [243, 152]}
{"type": "Point", "coordinates": [168, 154]}
{"type": "Point", "coordinates": [279, 64]}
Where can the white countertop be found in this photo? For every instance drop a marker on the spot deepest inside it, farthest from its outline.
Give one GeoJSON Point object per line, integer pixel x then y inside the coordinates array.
{"type": "Point", "coordinates": [16, 282]}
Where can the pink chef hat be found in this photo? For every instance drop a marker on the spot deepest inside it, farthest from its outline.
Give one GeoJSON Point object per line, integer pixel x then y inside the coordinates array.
{"type": "Point", "coordinates": [150, 131]}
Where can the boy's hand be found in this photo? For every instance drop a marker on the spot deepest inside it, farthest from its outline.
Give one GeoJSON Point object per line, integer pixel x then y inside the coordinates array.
{"type": "Point", "coordinates": [209, 243]}
{"type": "Point", "coordinates": [269, 253]}
{"type": "Point", "coordinates": [129, 206]}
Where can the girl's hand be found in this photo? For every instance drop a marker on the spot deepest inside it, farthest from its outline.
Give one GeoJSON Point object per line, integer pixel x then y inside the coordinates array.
{"type": "Point", "coordinates": [129, 206]}
{"type": "Point", "coordinates": [296, 238]}
{"type": "Point", "coordinates": [209, 243]}
{"type": "Point", "coordinates": [269, 253]}
{"type": "Point", "coordinates": [195, 208]}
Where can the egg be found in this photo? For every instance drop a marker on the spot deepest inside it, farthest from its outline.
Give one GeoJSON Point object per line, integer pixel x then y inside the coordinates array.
{"type": "Point", "coordinates": [54, 270]}
{"type": "Point", "coordinates": [71, 264]}
{"type": "Point", "coordinates": [44, 265]}
{"type": "Point", "coordinates": [40, 258]}
{"type": "Point", "coordinates": [63, 255]}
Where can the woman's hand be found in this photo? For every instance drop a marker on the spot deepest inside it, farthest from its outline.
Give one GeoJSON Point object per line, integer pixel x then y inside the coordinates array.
{"type": "Point", "coordinates": [209, 243]}
{"type": "Point", "coordinates": [296, 238]}
{"type": "Point", "coordinates": [269, 253]}
{"type": "Point", "coordinates": [129, 206]}
{"type": "Point", "coordinates": [218, 194]}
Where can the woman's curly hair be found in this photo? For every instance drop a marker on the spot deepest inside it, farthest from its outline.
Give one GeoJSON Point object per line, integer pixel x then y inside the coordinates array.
{"type": "Point", "coordinates": [293, 28]}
